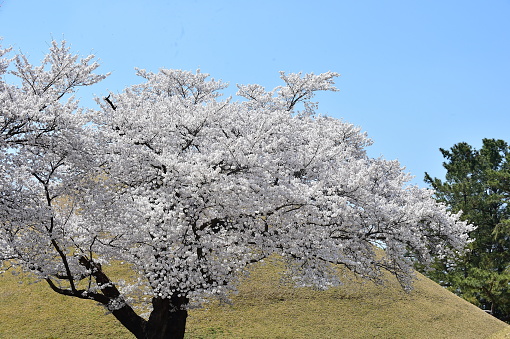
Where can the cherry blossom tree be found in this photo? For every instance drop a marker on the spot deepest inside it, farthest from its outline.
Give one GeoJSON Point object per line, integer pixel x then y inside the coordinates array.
{"type": "Point", "coordinates": [189, 189]}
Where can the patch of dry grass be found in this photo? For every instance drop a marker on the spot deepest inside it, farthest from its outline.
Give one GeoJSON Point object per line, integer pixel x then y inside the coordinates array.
{"type": "Point", "coordinates": [265, 308]}
{"type": "Point", "coordinates": [35, 311]}
{"type": "Point", "coordinates": [503, 334]}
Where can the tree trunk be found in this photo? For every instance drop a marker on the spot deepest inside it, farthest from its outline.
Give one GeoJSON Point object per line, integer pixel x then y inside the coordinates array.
{"type": "Point", "coordinates": [132, 321]}
{"type": "Point", "coordinates": [168, 318]}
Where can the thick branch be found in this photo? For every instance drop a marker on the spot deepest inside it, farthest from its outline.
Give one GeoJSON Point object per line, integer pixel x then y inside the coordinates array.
{"type": "Point", "coordinates": [125, 314]}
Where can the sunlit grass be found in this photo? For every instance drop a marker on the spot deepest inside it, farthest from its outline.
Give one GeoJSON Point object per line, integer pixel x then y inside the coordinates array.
{"type": "Point", "coordinates": [264, 308]}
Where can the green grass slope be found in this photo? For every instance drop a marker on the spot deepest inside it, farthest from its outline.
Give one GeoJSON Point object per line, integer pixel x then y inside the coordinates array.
{"type": "Point", "coordinates": [264, 308]}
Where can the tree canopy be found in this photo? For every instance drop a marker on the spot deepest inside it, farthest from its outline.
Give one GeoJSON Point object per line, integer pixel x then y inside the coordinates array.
{"type": "Point", "coordinates": [477, 183]}
{"type": "Point", "coordinates": [189, 189]}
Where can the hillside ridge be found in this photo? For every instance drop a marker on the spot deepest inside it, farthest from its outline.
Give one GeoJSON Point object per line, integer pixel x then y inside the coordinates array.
{"type": "Point", "coordinates": [266, 308]}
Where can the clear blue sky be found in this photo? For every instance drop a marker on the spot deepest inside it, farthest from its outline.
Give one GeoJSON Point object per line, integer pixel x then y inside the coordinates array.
{"type": "Point", "coordinates": [416, 75]}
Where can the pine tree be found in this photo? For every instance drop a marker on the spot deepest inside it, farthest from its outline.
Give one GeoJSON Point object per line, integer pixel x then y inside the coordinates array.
{"type": "Point", "coordinates": [477, 183]}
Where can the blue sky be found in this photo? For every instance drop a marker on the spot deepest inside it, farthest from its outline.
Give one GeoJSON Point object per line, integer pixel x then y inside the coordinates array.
{"type": "Point", "coordinates": [416, 75]}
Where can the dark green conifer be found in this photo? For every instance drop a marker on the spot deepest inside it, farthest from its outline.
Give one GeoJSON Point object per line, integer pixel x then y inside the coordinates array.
{"type": "Point", "coordinates": [478, 184]}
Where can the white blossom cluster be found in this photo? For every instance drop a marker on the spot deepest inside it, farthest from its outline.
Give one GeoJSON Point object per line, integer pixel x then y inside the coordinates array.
{"type": "Point", "coordinates": [190, 188]}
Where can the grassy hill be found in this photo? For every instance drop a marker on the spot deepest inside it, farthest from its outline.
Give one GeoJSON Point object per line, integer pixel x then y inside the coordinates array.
{"type": "Point", "coordinates": [265, 309]}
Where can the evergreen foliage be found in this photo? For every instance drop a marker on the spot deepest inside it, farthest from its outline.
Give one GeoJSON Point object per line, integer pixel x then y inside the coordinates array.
{"type": "Point", "coordinates": [478, 184]}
